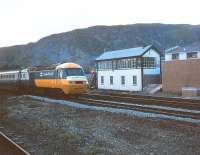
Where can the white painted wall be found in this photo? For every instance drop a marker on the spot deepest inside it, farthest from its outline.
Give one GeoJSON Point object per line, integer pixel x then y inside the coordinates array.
{"type": "Point", "coordinates": [168, 57]}
{"type": "Point", "coordinates": [117, 79]}
{"type": "Point", "coordinates": [153, 53]}
{"type": "Point", "coordinates": [198, 54]}
{"type": "Point", "coordinates": [24, 74]}
{"type": "Point", "coordinates": [182, 56]}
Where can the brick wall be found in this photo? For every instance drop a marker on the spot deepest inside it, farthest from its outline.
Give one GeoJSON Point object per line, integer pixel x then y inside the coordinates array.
{"type": "Point", "coordinates": [151, 79]}
{"type": "Point", "coordinates": [179, 73]}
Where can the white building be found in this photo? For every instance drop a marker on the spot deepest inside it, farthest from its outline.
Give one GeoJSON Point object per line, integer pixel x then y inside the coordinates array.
{"type": "Point", "coordinates": [182, 53]}
{"type": "Point", "coordinates": [129, 69]}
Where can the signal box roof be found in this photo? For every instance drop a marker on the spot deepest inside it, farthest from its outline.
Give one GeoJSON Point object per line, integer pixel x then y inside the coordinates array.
{"type": "Point", "coordinates": [131, 52]}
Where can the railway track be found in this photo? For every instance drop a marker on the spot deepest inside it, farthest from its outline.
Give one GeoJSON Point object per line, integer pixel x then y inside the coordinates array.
{"type": "Point", "coordinates": [148, 104]}
{"type": "Point", "coordinates": [150, 100]}
{"type": "Point", "coordinates": [9, 147]}
{"type": "Point", "coordinates": [178, 112]}
{"type": "Point", "coordinates": [184, 108]}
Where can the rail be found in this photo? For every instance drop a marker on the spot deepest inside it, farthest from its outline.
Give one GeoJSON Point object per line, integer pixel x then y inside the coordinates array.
{"type": "Point", "coordinates": [170, 111]}
{"type": "Point", "coordinates": [173, 102]}
{"type": "Point", "coordinates": [9, 147]}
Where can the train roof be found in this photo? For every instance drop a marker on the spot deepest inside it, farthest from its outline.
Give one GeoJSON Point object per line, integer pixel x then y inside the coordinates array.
{"type": "Point", "coordinates": [9, 72]}
{"type": "Point", "coordinates": [68, 65]}
{"type": "Point", "coordinates": [54, 66]}
{"type": "Point", "coordinates": [48, 67]}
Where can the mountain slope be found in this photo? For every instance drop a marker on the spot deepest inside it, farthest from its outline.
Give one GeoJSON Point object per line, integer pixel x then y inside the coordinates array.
{"type": "Point", "coordinates": [84, 45]}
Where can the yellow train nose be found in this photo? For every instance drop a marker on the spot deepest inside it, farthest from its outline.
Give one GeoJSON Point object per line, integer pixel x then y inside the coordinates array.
{"type": "Point", "coordinates": [75, 88]}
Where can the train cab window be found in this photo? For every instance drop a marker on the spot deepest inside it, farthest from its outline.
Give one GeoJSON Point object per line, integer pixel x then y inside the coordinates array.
{"type": "Point", "coordinates": [73, 72]}
{"type": "Point", "coordinates": [61, 74]}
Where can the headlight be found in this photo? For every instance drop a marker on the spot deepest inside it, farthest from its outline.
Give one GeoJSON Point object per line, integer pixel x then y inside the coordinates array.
{"type": "Point", "coordinates": [72, 82]}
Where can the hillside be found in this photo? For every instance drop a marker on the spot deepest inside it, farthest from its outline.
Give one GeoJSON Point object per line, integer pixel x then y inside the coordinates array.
{"type": "Point", "coordinates": [84, 45]}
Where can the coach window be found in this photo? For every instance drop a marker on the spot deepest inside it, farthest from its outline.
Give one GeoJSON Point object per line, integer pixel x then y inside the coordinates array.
{"type": "Point", "coordinates": [102, 80]}
{"type": "Point", "coordinates": [123, 80]}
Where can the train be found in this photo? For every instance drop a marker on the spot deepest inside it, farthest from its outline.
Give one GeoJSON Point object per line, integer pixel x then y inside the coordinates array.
{"type": "Point", "coordinates": [68, 78]}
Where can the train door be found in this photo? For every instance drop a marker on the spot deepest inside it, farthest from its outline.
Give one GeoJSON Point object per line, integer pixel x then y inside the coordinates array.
{"type": "Point", "coordinates": [58, 81]}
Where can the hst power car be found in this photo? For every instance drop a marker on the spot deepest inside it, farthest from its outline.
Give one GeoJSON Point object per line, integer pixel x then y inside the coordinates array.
{"type": "Point", "coordinates": [68, 77]}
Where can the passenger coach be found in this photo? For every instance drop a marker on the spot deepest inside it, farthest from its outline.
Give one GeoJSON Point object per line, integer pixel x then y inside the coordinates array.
{"type": "Point", "coordinates": [10, 80]}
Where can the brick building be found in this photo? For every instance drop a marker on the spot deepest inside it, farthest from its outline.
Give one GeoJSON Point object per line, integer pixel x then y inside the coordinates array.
{"type": "Point", "coordinates": [181, 68]}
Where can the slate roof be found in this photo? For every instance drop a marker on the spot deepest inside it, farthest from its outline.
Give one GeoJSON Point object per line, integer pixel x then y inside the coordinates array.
{"type": "Point", "coordinates": [130, 52]}
{"type": "Point", "coordinates": [184, 49]}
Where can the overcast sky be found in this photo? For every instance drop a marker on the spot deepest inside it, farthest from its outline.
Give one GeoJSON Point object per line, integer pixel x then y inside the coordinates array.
{"type": "Point", "coordinates": [23, 21]}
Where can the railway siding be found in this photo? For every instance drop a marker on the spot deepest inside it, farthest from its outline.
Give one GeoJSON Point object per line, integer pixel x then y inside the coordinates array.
{"type": "Point", "coordinates": [151, 100]}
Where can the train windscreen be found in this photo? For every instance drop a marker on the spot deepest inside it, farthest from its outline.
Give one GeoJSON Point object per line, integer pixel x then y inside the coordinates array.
{"type": "Point", "coordinates": [74, 72]}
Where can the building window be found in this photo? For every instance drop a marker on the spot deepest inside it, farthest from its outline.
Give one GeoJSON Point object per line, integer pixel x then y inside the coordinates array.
{"type": "Point", "coordinates": [122, 64]}
{"type": "Point", "coordinates": [111, 80]}
{"type": "Point", "coordinates": [102, 80]}
{"type": "Point", "coordinates": [126, 63]}
{"type": "Point", "coordinates": [105, 65]}
{"type": "Point", "coordinates": [192, 55]}
{"type": "Point", "coordinates": [149, 62]}
{"type": "Point", "coordinates": [134, 63]}
{"type": "Point", "coordinates": [175, 56]}
{"type": "Point", "coordinates": [123, 80]}
{"type": "Point", "coordinates": [134, 80]}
